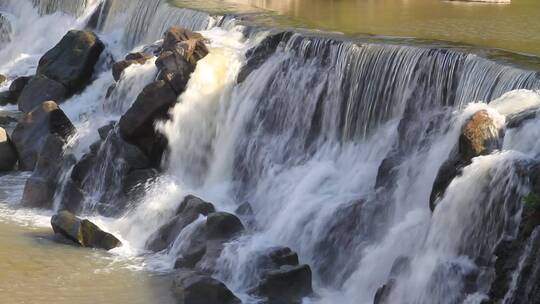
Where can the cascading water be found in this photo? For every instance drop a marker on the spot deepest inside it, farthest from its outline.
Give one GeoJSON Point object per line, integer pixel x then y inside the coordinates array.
{"type": "Point", "coordinates": [301, 137]}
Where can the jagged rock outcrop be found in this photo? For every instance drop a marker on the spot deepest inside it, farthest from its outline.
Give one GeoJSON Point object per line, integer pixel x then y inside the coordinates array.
{"type": "Point", "coordinates": [131, 59]}
{"type": "Point", "coordinates": [8, 154]}
{"type": "Point", "coordinates": [82, 232]}
{"type": "Point", "coordinates": [71, 62]}
{"type": "Point", "coordinates": [32, 131]}
{"type": "Point", "coordinates": [479, 136]}
{"type": "Point", "coordinates": [191, 287]}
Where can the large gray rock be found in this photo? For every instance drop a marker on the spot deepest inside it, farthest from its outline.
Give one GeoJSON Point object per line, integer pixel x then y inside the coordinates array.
{"type": "Point", "coordinates": [83, 232]}
{"type": "Point", "coordinates": [71, 62]}
{"type": "Point", "coordinates": [8, 154]}
{"type": "Point", "coordinates": [223, 225]}
{"type": "Point", "coordinates": [39, 90]}
{"type": "Point", "coordinates": [31, 132]}
{"type": "Point", "coordinates": [190, 287]}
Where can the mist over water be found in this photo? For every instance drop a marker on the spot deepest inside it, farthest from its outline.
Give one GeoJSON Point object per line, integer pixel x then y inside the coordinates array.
{"type": "Point", "coordinates": [302, 139]}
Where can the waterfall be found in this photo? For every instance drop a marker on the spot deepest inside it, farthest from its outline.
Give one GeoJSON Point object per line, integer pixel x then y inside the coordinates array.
{"type": "Point", "coordinates": [301, 133]}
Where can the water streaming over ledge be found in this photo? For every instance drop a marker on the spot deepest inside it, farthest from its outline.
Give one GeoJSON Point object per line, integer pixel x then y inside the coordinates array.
{"type": "Point", "coordinates": [301, 138]}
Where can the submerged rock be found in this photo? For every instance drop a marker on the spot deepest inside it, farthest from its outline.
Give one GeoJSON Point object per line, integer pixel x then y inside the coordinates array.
{"type": "Point", "coordinates": [83, 232]}
{"type": "Point", "coordinates": [8, 154]}
{"type": "Point", "coordinates": [479, 136]}
{"type": "Point", "coordinates": [31, 132]}
{"type": "Point", "coordinates": [190, 287]}
{"type": "Point", "coordinates": [71, 62]}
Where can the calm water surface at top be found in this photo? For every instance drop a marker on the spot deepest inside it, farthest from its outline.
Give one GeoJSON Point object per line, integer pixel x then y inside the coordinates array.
{"type": "Point", "coordinates": [514, 26]}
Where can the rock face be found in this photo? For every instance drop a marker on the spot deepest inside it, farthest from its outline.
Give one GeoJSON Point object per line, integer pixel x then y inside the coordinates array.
{"type": "Point", "coordinates": [82, 232]}
{"type": "Point", "coordinates": [39, 90]}
{"type": "Point", "coordinates": [134, 58]}
{"type": "Point", "coordinates": [190, 287]}
{"type": "Point", "coordinates": [8, 155]}
{"type": "Point", "coordinates": [31, 132]}
{"type": "Point", "coordinates": [71, 62]}
{"type": "Point", "coordinates": [480, 136]}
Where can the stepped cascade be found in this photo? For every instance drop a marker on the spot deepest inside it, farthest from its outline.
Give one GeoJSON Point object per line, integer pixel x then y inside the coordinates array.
{"type": "Point", "coordinates": [256, 164]}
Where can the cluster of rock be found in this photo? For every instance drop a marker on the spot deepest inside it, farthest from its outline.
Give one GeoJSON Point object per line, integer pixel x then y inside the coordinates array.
{"type": "Point", "coordinates": [282, 278]}
{"type": "Point", "coordinates": [126, 157]}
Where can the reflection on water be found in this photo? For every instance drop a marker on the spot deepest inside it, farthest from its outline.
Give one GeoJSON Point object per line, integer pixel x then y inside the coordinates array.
{"type": "Point", "coordinates": [514, 26]}
{"type": "Point", "coordinates": [34, 269]}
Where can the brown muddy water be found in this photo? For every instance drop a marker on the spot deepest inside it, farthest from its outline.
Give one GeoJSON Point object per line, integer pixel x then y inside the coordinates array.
{"type": "Point", "coordinates": [34, 269]}
{"type": "Point", "coordinates": [514, 27]}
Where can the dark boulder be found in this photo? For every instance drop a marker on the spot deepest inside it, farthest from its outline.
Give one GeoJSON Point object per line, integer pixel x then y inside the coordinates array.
{"type": "Point", "coordinates": [131, 59]}
{"type": "Point", "coordinates": [71, 62]}
{"type": "Point", "coordinates": [39, 90]}
{"type": "Point", "coordinates": [38, 193]}
{"type": "Point", "coordinates": [105, 130]}
{"type": "Point", "coordinates": [260, 53]}
{"type": "Point", "coordinates": [223, 225]}
{"type": "Point", "coordinates": [151, 105]}
{"type": "Point", "coordinates": [193, 249]}
{"type": "Point", "coordinates": [479, 136]}
{"type": "Point", "coordinates": [83, 232]}
{"type": "Point", "coordinates": [175, 70]}
{"type": "Point", "coordinates": [189, 210]}
{"type": "Point", "coordinates": [8, 154]}
{"type": "Point", "coordinates": [289, 284]}
{"type": "Point", "coordinates": [32, 131]}
{"type": "Point", "coordinates": [190, 287]}
{"type": "Point", "coordinates": [275, 257]}
{"type": "Point", "coordinates": [40, 189]}
{"type": "Point", "coordinates": [72, 198]}
{"type": "Point", "coordinates": [18, 85]}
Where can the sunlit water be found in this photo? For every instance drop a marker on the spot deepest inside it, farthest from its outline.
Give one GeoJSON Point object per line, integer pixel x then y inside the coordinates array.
{"type": "Point", "coordinates": [512, 26]}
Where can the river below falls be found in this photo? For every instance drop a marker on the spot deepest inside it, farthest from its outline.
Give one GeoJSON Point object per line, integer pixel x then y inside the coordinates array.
{"type": "Point", "coordinates": [35, 269]}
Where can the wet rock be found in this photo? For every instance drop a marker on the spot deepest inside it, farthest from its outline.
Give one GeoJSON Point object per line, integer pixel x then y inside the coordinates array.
{"type": "Point", "coordinates": [190, 287]}
{"type": "Point", "coordinates": [386, 174]}
{"type": "Point", "coordinates": [193, 249]}
{"type": "Point", "coordinates": [289, 284]}
{"type": "Point", "coordinates": [260, 53]}
{"type": "Point", "coordinates": [175, 70]}
{"type": "Point", "coordinates": [18, 85]}
{"type": "Point", "coordinates": [151, 105]}
{"type": "Point", "coordinates": [32, 131]}
{"type": "Point", "coordinates": [190, 209]}
{"type": "Point", "coordinates": [135, 181]}
{"type": "Point", "coordinates": [5, 98]}
{"type": "Point", "coordinates": [275, 257]}
{"type": "Point", "coordinates": [223, 225]}
{"type": "Point", "coordinates": [51, 161]}
{"type": "Point", "coordinates": [40, 89]}
{"type": "Point", "coordinates": [131, 59]}
{"type": "Point", "coordinates": [38, 193]}
{"type": "Point", "coordinates": [83, 232]}
{"type": "Point", "coordinates": [518, 119]}
{"type": "Point", "coordinates": [72, 198]}
{"type": "Point", "coordinates": [3, 78]}
{"type": "Point", "coordinates": [244, 209]}
{"type": "Point", "coordinates": [81, 170]}
{"type": "Point", "coordinates": [479, 136]}
{"type": "Point", "coordinates": [71, 62]}
{"type": "Point", "coordinates": [177, 34]}
{"type": "Point", "coordinates": [8, 154]}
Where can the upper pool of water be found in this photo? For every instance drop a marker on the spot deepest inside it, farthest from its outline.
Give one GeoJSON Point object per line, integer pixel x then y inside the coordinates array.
{"type": "Point", "coordinates": [513, 27]}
